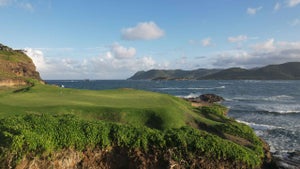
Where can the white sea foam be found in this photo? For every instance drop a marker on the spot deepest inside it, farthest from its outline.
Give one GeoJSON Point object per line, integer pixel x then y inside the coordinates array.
{"type": "Point", "coordinates": [279, 98]}
{"type": "Point", "coordinates": [279, 108]}
{"type": "Point", "coordinates": [192, 95]}
{"type": "Point", "coordinates": [256, 126]}
{"type": "Point", "coordinates": [191, 88]}
{"type": "Point", "coordinates": [252, 81]}
{"type": "Point", "coordinates": [276, 98]}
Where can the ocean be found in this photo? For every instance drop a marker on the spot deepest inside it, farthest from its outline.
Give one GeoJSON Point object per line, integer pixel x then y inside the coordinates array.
{"type": "Point", "coordinates": [271, 108]}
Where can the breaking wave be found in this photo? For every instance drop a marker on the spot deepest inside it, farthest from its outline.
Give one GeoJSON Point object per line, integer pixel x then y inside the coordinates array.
{"type": "Point", "coordinates": [191, 88]}
{"type": "Point", "coordinates": [256, 126]}
{"type": "Point", "coordinates": [279, 108]}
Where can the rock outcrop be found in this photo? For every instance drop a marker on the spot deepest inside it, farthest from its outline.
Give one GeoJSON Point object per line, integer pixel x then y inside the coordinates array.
{"type": "Point", "coordinates": [207, 98]}
{"type": "Point", "coordinates": [12, 82]}
{"type": "Point", "coordinates": [211, 98]}
{"type": "Point", "coordinates": [16, 67]}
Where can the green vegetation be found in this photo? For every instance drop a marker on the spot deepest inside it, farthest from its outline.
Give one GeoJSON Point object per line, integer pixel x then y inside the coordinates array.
{"type": "Point", "coordinates": [123, 105]}
{"type": "Point", "coordinates": [286, 71]}
{"type": "Point", "coordinates": [172, 74]}
{"type": "Point", "coordinates": [41, 119]}
{"type": "Point", "coordinates": [14, 56]}
{"type": "Point", "coordinates": [43, 134]}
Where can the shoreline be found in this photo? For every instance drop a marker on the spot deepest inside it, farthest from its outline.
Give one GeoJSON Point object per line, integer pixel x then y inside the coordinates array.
{"type": "Point", "coordinates": [290, 160]}
{"type": "Point", "coordinates": [269, 161]}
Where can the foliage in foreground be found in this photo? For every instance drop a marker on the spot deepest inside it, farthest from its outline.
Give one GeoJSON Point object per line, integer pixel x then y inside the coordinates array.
{"type": "Point", "coordinates": [43, 134]}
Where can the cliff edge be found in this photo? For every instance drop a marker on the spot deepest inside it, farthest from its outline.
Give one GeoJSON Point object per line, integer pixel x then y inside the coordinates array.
{"type": "Point", "coordinates": [16, 68]}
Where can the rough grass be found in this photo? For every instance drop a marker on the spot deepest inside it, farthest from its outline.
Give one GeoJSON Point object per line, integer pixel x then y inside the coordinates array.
{"type": "Point", "coordinates": [40, 135]}
{"type": "Point", "coordinates": [14, 56]}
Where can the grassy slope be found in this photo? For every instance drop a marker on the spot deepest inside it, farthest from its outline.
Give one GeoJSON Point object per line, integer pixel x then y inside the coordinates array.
{"type": "Point", "coordinates": [134, 107]}
{"type": "Point", "coordinates": [14, 56]}
{"type": "Point", "coordinates": [122, 105]}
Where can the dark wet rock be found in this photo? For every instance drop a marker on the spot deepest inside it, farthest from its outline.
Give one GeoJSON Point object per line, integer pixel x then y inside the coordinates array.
{"type": "Point", "coordinates": [206, 98]}
{"type": "Point", "coordinates": [211, 98]}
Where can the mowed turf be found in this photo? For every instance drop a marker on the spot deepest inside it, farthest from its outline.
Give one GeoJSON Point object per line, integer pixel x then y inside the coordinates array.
{"type": "Point", "coordinates": [129, 106]}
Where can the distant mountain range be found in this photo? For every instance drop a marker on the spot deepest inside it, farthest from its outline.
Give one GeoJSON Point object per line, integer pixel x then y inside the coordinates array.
{"type": "Point", "coordinates": [285, 71]}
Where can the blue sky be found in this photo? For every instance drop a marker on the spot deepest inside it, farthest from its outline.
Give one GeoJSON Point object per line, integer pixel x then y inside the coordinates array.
{"type": "Point", "coordinates": [112, 39]}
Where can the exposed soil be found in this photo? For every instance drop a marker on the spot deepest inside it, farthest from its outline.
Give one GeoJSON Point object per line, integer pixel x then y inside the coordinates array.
{"type": "Point", "coordinates": [116, 157]}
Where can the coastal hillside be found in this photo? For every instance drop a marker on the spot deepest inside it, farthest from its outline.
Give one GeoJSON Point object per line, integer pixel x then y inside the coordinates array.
{"type": "Point", "coordinates": [173, 74]}
{"type": "Point", "coordinates": [45, 126]}
{"type": "Point", "coordinates": [16, 68]}
{"type": "Point", "coordinates": [286, 71]}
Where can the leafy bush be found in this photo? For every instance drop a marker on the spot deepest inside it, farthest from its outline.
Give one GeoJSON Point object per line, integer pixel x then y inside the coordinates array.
{"type": "Point", "coordinates": [43, 134]}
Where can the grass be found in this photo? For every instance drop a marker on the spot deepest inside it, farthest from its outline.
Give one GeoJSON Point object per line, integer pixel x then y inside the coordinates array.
{"type": "Point", "coordinates": [14, 56]}
{"type": "Point", "coordinates": [121, 105]}
{"type": "Point", "coordinates": [43, 118]}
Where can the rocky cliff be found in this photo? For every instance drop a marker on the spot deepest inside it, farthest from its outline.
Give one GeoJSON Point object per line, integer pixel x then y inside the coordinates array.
{"type": "Point", "coordinates": [16, 68]}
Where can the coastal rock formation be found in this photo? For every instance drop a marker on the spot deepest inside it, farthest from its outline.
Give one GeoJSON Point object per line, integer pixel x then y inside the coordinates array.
{"type": "Point", "coordinates": [211, 98]}
{"type": "Point", "coordinates": [16, 67]}
{"type": "Point", "coordinates": [207, 98]}
{"type": "Point", "coordinates": [12, 82]}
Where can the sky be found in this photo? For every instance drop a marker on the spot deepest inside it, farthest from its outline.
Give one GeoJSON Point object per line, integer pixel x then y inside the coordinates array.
{"type": "Point", "coordinates": [113, 39]}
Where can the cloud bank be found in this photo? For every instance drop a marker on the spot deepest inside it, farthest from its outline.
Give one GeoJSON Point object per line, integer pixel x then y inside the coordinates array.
{"type": "Point", "coordinates": [260, 54]}
{"type": "Point", "coordinates": [118, 62]}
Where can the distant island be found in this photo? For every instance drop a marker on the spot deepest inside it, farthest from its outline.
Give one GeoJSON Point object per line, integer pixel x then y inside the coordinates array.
{"type": "Point", "coordinates": [285, 71]}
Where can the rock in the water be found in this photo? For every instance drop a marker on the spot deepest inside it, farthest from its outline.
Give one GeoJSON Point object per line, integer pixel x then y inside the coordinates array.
{"type": "Point", "coordinates": [211, 98]}
{"type": "Point", "coordinates": [208, 98]}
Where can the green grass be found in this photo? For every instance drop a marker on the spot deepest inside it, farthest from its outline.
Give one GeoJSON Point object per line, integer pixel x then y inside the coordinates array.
{"type": "Point", "coordinates": [122, 105]}
{"type": "Point", "coordinates": [14, 56]}
{"type": "Point", "coordinates": [43, 118]}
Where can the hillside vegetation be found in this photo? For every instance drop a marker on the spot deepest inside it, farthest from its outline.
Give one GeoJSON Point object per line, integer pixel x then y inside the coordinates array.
{"type": "Point", "coordinates": [286, 71]}
{"type": "Point", "coordinates": [43, 119]}
{"type": "Point", "coordinates": [16, 67]}
{"type": "Point", "coordinates": [172, 74]}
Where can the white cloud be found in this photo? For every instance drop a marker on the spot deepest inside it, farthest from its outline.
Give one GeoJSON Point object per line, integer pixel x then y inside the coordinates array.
{"type": "Point", "coordinates": [265, 46]}
{"type": "Point", "coordinates": [38, 58]}
{"type": "Point", "coordinates": [143, 31]}
{"type": "Point", "coordinates": [27, 6]}
{"type": "Point", "coordinates": [5, 2]}
{"type": "Point", "coordinates": [192, 42]}
{"type": "Point", "coordinates": [239, 38]}
{"type": "Point", "coordinates": [277, 6]}
{"type": "Point", "coordinates": [206, 42]}
{"type": "Point", "coordinates": [261, 54]}
{"type": "Point", "coordinates": [17, 3]}
{"type": "Point", "coordinates": [295, 22]}
{"type": "Point", "coordinates": [108, 65]}
{"type": "Point", "coordinates": [121, 52]}
{"type": "Point", "coordinates": [253, 11]}
{"type": "Point", "coordinates": [293, 3]}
